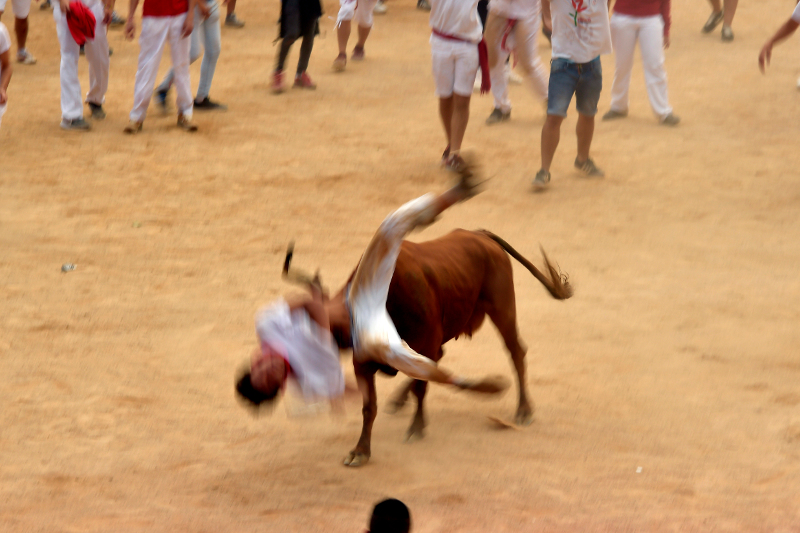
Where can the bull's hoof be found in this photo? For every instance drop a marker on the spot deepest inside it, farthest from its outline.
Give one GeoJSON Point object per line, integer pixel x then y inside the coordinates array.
{"type": "Point", "coordinates": [394, 406]}
{"type": "Point", "coordinates": [415, 433]}
{"type": "Point", "coordinates": [356, 458]}
{"type": "Point", "coordinates": [524, 417]}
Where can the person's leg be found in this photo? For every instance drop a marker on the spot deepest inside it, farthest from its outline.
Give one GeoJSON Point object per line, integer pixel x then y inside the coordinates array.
{"type": "Point", "coordinates": [231, 7]}
{"type": "Point", "coordinates": [309, 33]}
{"type": "Point", "coordinates": [624, 31]}
{"type": "Point", "coordinates": [584, 130]}
{"type": "Point", "coordinates": [97, 56]}
{"type": "Point", "coordinates": [563, 80]}
{"type": "Point", "coordinates": [209, 39]}
{"type": "Point", "coordinates": [651, 41]}
{"type": "Point", "coordinates": [444, 68]}
{"type": "Point", "coordinates": [22, 9]}
{"type": "Point", "coordinates": [290, 29]}
{"type": "Point", "coordinates": [587, 94]}
{"type": "Point", "coordinates": [466, 67]}
{"type": "Point", "coordinates": [729, 12]}
{"type": "Point", "coordinates": [715, 18]}
{"type": "Point", "coordinates": [71, 104]}
{"type": "Point", "coordinates": [347, 10]}
{"type": "Point", "coordinates": [179, 50]}
{"type": "Point", "coordinates": [551, 135]}
{"type": "Point", "coordinates": [151, 46]}
{"type": "Point", "coordinates": [493, 34]}
{"type": "Point", "coordinates": [231, 20]}
{"type": "Point", "coordinates": [363, 17]}
{"type": "Point", "coordinates": [21, 31]}
{"type": "Point", "coordinates": [458, 122]}
{"type": "Point", "coordinates": [526, 33]}
{"type": "Point", "coordinates": [446, 114]}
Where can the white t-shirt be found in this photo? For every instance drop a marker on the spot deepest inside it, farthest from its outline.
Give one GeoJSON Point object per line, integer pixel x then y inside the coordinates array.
{"type": "Point", "coordinates": [458, 18]}
{"type": "Point", "coordinates": [517, 9]}
{"type": "Point", "coordinates": [796, 14]}
{"type": "Point", "coordinates": [5, 46]}
{"type": "Point", "coordinates": [580, 29]}
{"type": "Point", "coordinates": [310, 350]}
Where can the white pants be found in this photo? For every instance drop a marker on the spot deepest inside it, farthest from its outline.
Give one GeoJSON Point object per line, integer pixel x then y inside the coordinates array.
{"type": "Point", "coordinates": [96, 54]}
{"type": "Point", "coordinates": [22, 8]}
{"type": "Point", "coordinates": [360, 10]}
{"type": "Point", "coordinates": [155, 33]}
{"type": "Point", "coordinates": [455, 64]}
{"type": "Point", "coordinates": [625, 30]}
{"type": "Point", "coordinates": [523, 39]}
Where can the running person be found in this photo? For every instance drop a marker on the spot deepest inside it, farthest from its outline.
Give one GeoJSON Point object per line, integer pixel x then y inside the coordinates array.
{"type": "Point", "coordinates": [299, 18]}
{"type": "Point", "coordinates": [514, 24]}
{"type": "Point", "coordinates": [22, 9]}
{"type": "Point", "coordinates": [361, 12]}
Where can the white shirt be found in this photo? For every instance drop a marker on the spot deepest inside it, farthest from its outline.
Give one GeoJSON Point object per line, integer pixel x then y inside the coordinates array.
{"type": "Point", "coordinates": [309, 349]}
{"type": "Point", "coordinates": [517, 9]}
{"type": "Point", "coordinates": [796, 14]}
{"type": "Point", "coordinates": [458, 18]}
{"type": "Point", "coordinates": [580, 29]}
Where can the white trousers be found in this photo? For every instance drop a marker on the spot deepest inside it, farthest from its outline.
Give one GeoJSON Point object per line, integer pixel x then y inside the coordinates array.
{"type": "Point", "coordinates": [360, 10]}
{"type": "Point", "coordinates": [155, 33]}
{"type": "Point", "coordinates": [96, 54]}
{"type": "Point", "coordinates": [649, 31]}
{"type": "Point", "coordinates": [22, 8]}
{"type": "Point", "coordinates": [523, 39]}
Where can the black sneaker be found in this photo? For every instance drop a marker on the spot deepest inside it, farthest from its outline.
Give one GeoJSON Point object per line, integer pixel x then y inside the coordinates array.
{"type": "Point", "coordinates": [498, 116]}
{"type": "Point", "coordinates": [97, 111]}
{"type": "Point", "coordinates": [206, 104]}
{"type": "Point", "coordinates": [161, 99]}
{"type": "Point", "coordinates": [541, 180]}
{"type": "Point", "coordinates": [76, 124]}
{"type": "Point", "coordinates": [589, 168]}
{"type": "Point", "coordinates": [713, 21]}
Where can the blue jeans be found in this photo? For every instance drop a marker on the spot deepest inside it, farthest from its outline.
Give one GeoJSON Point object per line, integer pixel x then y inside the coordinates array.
{"type": "Point", "coordinates": [584, 80]}
{"type": "Point", "coordinates": [205, 39]}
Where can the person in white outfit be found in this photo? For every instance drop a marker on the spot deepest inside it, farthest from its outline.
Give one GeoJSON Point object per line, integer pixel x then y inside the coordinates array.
{"type": "Point", "coordinates": [514, 25]}
{"type": "Point", "coordinates": [96, 51]}
{"type": "Point", "coordinates": [5, 68]}
{"type": "Point", "coordinates": [361, 12]}
{"type": "Point", "coordinates": [22, 9]}
{"type": "Point", "coordinates": [456, 39]}
{"type": "Point", "coordinates": [646, 21]}
{"type": "Point", "coordinates": [162, 21]}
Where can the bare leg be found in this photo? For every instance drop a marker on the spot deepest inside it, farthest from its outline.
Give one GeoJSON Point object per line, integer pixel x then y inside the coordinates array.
{"type": "Point", "coordinates": [716, 6]}
{"type": "Point", "coordinates": [21, 29]}
{"type": "Point", "coordinates": [363, 33]}
{"type": "Point", "coordinates": [446, 112]}
{"type": "Point", "coordinates": [458, 123]}
{"type": "Point", "coordinates": [231, 7]}
{"type": "Point", "coordinates": [551, 134]}
{"type": "Point", "coordinates": [730, 11]}
{"type": "Point", "coordinates": [343, 35]}
{"type": "Point", "coordinates": [584, 131]}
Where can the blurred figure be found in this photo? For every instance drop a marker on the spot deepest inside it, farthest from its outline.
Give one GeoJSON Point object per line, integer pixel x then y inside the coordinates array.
{"type": "Point", "coordinates": [22, 9]}
{"type": "Point", "coordinates": [5, 67]}
{"type": "Point", "coordinates": [718, 14]}
{"type": "Point", "coordinates": [231, 20]}
{"type": "Point", "coordinates": [390, 516]}
{"type": "Point", "coordinates": [786, 30]}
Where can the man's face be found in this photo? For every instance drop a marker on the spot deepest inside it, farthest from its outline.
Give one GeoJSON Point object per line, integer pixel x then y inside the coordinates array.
{"type": "Point", "coordinates": [267, 369]}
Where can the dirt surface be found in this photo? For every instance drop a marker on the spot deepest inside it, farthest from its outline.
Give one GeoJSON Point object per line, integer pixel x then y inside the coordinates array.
{"type": "Point", "coordinates": [667, 389]}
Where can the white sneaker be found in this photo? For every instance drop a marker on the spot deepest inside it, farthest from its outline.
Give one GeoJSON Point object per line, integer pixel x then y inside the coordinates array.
{"type": "Point", "coordinates": [380, 8]}
{"type": "Point", "coordinates": [24, 57]}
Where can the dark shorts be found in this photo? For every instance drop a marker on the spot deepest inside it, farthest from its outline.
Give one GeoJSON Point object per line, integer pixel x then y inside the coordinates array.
{"type": "Point", "coordinates": [584, 80]}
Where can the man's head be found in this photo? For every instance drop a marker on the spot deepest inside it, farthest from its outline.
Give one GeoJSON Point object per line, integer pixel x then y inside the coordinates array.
{"type": "Point", "coordinates": [390, 516]}
{"type": "Point", "coordinates": [268, 371]}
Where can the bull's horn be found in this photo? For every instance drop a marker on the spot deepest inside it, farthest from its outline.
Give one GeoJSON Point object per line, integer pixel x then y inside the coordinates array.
{"type": "Point", "coordinates": [298, 276]}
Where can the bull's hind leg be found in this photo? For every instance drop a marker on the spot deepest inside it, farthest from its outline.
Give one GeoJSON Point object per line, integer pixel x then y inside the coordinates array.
{"type": "Point", "coordinates": [417, 428]}
{"type": "Point", "coordinates": [366, 384]}
{"type": "Point", "coordinates": [400, 397]}
{"type": "Point", "coordinates": [503, 312]}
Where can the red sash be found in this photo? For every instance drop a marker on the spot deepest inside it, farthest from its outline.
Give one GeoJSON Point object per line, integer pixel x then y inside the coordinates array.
{"type": "Point", "coordinates": [483, 58]}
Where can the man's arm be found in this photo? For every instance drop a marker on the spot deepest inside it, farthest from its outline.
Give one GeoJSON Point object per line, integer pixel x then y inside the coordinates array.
{"type": "Point", "coordinates": [108, 10]}
{"type": "Point", "coordinates": [5, 78]}
{"type": "Point", "coordinates": [667, 17]}
{"type": "Point", "coordinates": [130, 25]}
{"type": "Point", "coordinates": [188, 24]}
{"type": "Point", "coordinates": [788, 28]}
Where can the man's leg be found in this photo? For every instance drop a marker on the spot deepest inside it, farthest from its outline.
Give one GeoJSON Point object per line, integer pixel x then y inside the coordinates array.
{"type": "Point", "coordinates": [446, 113]}
{"type": "Point", "coordinates": [97, 57]}
{"type": "Point", "coordinates": [179, 51]}
{"type": "Point", "coordinates": [526, 33]}
{"type": "Point", "coordinates": [458, 122]}
{"type": "Point", "coordinates": [587, 94]}
{"type": "Point", "coordinates": [22, 9]}
{"type": "Point", "coordinates": [493, 34]}
{"type": "Point", "coordinates": [624, 30]}
{"type": "Point", "coordinates": [151, 47]}
{"type": "Point", "coordinates": [551, 135]}
{"type": "Point", "coordinates": [71, 104]}
{"type": "Point", "coordinates": [209, 39]}
{"type": "Point", "coordinates": [231, 20]}
{"type": "Point", "coordinates": [465, 69]}
{"type": "Point", "coordinates": [585, 132]}
{"type": "Point", "coordinates": [651, 41]}
{"type": "Point", "coordinates": [305, 55]}
{"type": "Point", "coordinates": [364, 19]}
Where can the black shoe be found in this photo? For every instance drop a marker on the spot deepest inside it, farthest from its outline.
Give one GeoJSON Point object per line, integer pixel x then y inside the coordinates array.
{"type": "Point", "coordinates": [206, 104]}
{"type": "Point", "coordinates": [97, 111]}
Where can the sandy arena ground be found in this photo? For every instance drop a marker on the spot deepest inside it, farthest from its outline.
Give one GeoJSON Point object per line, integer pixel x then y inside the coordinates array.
{"type": "Point", "coordinates": [667, 389]}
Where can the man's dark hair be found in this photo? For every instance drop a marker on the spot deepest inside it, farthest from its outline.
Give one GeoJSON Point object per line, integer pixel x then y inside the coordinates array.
{"type": "Point", "coordinates": [254, 397]}
{"type": "Point", "coordinates": [390, 516]}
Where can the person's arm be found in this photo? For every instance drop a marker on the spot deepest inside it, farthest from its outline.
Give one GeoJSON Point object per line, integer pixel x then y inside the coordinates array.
{"type": "Point", "coordinates": [108, 10]}
{"type": "Point", "coordinates": [5, 78]}
{"type": "Point", "coordinates": [64, 4]}
{"type": "Point", "coordinates": [665, 15]}
{"type": "Point", "coordinates": [188, 24]}
{"type": "Point", "coordinates": [788, 28]}
{"type": "Point", "coordinates": [130, 25]}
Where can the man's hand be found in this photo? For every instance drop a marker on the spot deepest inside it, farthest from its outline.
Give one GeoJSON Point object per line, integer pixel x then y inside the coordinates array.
{"type": "Point", "coordinates": [130, 29]}
{"type": "Point", "coordinates": [107, 12]}
{"type": "Point", "coordinates": [765, 56]}
{"type": "Point", "coordinates": [64, 4]}
{"type": "Point", "coordinates": [188, 26]}
{"type": "Point", "coordinates": [3, 96]}
{"type": "Point", "coordinates": [205, 12]}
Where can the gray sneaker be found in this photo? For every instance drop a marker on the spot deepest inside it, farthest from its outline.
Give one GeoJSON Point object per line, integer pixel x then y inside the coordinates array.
{"type": "Point", "coordinates": [423, 5]}
{"type": "Point", "coordinates": [76, 124]}
{"type": "Point", "coordinates": [498, 116]}
{"type": "Point", "coordinates": [232, 21]}
{"type": "Point", "coordinates": [97, 111]}
{"type": "Point", "coordinates": [712, 22]}
{"type": "Point", "coordinates": [727, 34]}
{"type": "Point", "coordinates": [542, 180]}
{"type": "Point", "coordinates": [670, 120]}
{"type": "Point", "coordinates": [589, 168]}
{"type": "Point", "coordinates": [613, 114]}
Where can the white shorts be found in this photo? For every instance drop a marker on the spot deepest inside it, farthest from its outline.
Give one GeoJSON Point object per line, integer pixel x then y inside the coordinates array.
{"type": "Point", "coordinates": [360, 10]}
{"type": "Point", "coordinates": [21, 8]}
{"type": "Point", "coordinates": [455, 65]}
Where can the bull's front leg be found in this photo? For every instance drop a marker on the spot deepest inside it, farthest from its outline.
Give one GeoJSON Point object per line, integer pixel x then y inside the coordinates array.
{"type": "Point", "coordinates": [366, 384]}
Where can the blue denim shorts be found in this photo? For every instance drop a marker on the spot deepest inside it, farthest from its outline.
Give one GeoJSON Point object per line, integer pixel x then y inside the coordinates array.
{"type": "Point", "coordinates": [584, 80]}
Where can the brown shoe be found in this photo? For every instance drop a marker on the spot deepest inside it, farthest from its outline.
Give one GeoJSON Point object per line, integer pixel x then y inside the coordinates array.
{"type": "Point", "coordinates": [186, 123]}
{"type": "Point", "coordinates": [133, 127]}
{"type": "Point", "coordinates": [340, 62]}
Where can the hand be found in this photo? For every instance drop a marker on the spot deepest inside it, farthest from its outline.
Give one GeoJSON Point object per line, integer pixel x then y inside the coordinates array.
{"type": "Point", "coordinates": [765, 56]}
{"type": "Point", "coordinates": [3, 96]}
{"type": "Point", "coordinates": [107, 12]}
{"type": "Point", "coordinates": [205, 12]}
{"type": "Point", "coordinates": [666, 41]}
{"type": "Point", "coordinates": [130, 29]}
{"type": "Point", "coordinates": [64, 4]}
{"type": "Point", "coordinates": [188, 26]}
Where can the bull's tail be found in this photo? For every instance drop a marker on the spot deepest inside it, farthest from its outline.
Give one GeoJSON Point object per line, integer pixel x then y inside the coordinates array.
{"type": "Point", "coordinates": [557, 284]}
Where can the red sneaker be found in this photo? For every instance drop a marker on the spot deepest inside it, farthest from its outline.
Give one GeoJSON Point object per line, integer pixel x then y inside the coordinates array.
{"type": "Point", "coordinates": [303, 81]}
{"type": "Point", "coordinates": [277, 82]}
